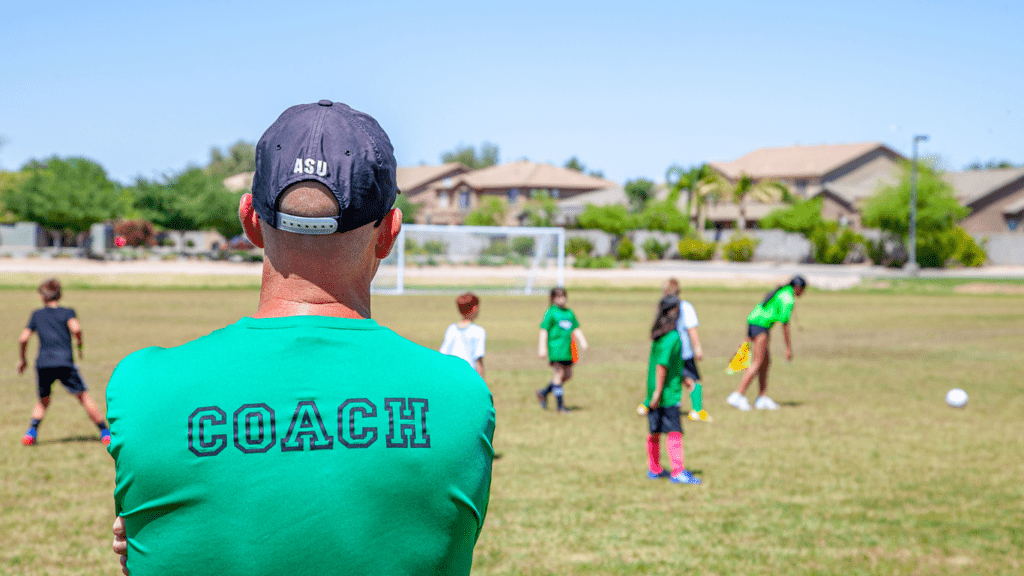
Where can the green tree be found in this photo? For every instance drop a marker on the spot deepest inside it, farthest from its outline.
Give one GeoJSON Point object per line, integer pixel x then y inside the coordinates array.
{"type": "Point", "coordinates": [702, 186]}
{"type": "Point", "coordinates": [664, 215]}
{"type": "Point", "coordinates": [69, 195]}
{"type": "Point", "coordinates": [746, 189]}
{"type": "Point", "coordinates": [614, 219]}
{"type": "Point", "coordinates": [473, 159]}
{"type": "Point", "coordinates": [489, 212]}
{"type": "Point", "coordinates": [802, 217]}
{"type": "Point", "coordinates": [938, 213]}
{"type": "Point", "coordinates": [541, 209]}
{"type": "Point", "coordinates": [992, 164]}
{"type": "Point", "coordinates": [240, 157]}
{"type": "Point", "coordinates": [639, 192]}
{"type": "Point", "coordinates": [575, 164]}
{"type": "Point", "coordinates": [408, 208]}
{"type": "Point", "coordinates": [190, 200]}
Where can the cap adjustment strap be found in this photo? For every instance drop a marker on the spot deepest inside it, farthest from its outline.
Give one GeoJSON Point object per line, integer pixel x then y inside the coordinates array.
{"type": "Point", "coordinates": [305, 225]}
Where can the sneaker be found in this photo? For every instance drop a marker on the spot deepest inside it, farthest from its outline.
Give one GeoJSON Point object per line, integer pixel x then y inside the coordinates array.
{"type": "Point", "coordinates": [543, 399]}
{"type": "Point", "coordinates": [563, 410]}
{"type": "Point", "coordinates": [765, 403]}
{"type": "Point", "coordinates": [658, 475]}
{"type": "Point", "coordinates": [737, 400]}
{"type": "Point", "coordinates": [684, 477]}
{"type": "Point", "coordinates": [105, 436]}
{"type": "Point", "coordinates": [29, 439]}
{"type": "Point", "coordinates": [701, 416]}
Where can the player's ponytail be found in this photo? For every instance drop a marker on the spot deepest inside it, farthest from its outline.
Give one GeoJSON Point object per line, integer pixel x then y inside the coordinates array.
{"type": "Point", "coordinates": [665, 320]}
{"type": "Point", "coordinates": [795, 281]}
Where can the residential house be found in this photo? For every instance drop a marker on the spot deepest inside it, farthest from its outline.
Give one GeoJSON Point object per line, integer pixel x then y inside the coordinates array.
{"type": "Point", "coordinates": [995, 198]}
{"type": "Point", "coordinates": [843, 175]}
{"type": "Point", "coordinates": [451, 199]}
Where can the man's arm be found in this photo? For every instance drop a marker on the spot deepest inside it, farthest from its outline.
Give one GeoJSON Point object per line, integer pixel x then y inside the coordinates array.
{"type": "Point", "coordinates": [479, 365]}
{"type": "Point", "coordinates": [23, 348]}
{"type": "Point", "coordinates": [542, 343]}
{"type": "Point", "coordinates": [789, 347]}
{"type": "Point", "coordinates": [76, 329]}
{"type": "Point", "coordinates": [695, 341]}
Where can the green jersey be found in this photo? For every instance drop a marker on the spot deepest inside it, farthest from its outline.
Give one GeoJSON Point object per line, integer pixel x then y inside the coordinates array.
{"type": "Point", "coordinates": [666, 351]}
{"type": "Point", "coordinates": [300, 445]}
{"type": "Point", "coordinates": [777, 309]}
{"type": "Point", "coordinates": [559, 323]}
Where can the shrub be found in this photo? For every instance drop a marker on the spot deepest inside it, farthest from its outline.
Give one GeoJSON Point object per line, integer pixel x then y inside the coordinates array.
{"type": "Point", "coordinates": [740, 248]}
{"type": "Point", "coordinates": [136, 232]}
{"type": "Point", "coordinates": [968, 252]}
{"type": "Point", "coordinates": [594, 262]}
{"type": "Point", "coordinates": [934, 249]}
{"type": "Point", "coordinates": [625, 251]}
{"type": "Point", "coordinates": [579, 247]}
{"type": "Point", "coordinates": [497, 248]}
{"type": "Point", "coordinates": [434, 247]}
{"type": "Point", "coordinates": [832, 246]}
{"type": "Point", "coordinates": [692, 248]}
{"type": "Point", "coordinates": [522, 245]}
{"type": "Point", "coordinates": [653, 249]}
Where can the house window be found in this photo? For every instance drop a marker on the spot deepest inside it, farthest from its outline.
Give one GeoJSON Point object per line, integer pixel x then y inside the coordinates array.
{"type": "Point", "coordinates": [513, 195]}
{"type": "Point", "coordinates": [555, 193]}
{"type": "Point", "coordinates": [443, 200]}
{"type": "Point", "coordinates": [801, 187]}
{"type": "Point", "coordinates": [464, 200]}
{"type": "Point", "coordinates": [1011, 223]}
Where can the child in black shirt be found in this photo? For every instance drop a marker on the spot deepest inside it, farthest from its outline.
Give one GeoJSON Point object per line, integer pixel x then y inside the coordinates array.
{"type": "Point", "coordinates": [55, 325]}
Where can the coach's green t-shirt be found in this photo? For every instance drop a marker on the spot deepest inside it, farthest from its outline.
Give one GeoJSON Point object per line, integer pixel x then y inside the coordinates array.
{"type": "Point", "coordinates": [300, 445]}
{"type": "Point", "coordinates": [666, 351]}
{"type": "Point", "coordinates": [777, 309]}
{"type": "Point", "coordinates": [559, 322]}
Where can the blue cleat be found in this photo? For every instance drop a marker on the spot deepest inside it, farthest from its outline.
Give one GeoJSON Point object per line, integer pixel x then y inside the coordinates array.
{"type": "Point", "coordinates": [684, 477]}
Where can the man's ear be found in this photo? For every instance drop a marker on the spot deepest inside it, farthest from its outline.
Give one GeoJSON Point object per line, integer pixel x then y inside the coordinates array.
{"type": "Point", "coordinates": [250, 221]}
{"type": "Point", "coordinates": [387, 232]}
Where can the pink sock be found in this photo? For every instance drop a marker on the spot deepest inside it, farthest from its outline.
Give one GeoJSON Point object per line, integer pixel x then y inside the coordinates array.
{"type": "Point", "coordinates": [654, 453]}
{"type": "Point", "coordinates": [674, 442]}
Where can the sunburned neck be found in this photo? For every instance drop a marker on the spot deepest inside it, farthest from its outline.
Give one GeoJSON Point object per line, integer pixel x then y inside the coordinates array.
{"type": "Point", "coordinates": [465, 322]}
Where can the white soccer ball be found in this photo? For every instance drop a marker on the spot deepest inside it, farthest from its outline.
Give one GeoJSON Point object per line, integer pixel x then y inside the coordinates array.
{"type": "Point", "coordinates": [956, 398]}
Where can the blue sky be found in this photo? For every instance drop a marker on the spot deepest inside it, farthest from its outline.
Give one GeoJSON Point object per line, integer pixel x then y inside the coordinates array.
{"type": "Point", "coordinates": [628, 87]}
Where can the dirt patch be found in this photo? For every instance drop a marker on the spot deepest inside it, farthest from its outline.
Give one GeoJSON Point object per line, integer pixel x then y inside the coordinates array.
{"type": "Point", "coordinates": [988, 288]}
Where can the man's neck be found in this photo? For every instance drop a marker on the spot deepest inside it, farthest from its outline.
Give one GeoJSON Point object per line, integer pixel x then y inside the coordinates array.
{"type": "Point", "coordinates": [296, 296]}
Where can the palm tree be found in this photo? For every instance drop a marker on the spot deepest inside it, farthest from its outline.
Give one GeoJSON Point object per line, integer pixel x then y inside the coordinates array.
{"type": "Point", "coordinates": [746, 188]}
{"type": "Point", "coordinates": [702, 186]}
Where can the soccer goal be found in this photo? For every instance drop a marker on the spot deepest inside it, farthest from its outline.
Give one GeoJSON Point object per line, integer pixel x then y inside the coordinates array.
{"type": "Point", "coordinates": [430, 258]}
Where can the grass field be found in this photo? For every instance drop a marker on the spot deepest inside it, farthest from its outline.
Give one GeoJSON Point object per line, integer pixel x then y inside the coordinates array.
{"type": "Point", "coordinates": [864, 470]}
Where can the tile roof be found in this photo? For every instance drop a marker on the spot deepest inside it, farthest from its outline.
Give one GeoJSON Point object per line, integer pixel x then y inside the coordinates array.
{"type": "Point", "coordinates": [973, 185]}
{"type": "Point", "coordinates": [794, 161]}
{"type": "Point", "coordinates": [412, 177]}
{"type": "Point", "coordinates": [526, 175]}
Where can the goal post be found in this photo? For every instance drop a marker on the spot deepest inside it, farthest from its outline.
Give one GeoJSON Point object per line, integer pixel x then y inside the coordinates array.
{"type": "Point", "coordinates": [518, 259]}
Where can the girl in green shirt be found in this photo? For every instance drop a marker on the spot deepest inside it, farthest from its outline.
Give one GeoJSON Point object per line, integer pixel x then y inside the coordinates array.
{"type": "Point", "coordinates": [777, 306]}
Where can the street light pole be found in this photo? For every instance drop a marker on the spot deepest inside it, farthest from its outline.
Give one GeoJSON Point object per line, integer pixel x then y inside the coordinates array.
{"type": "Point", "coordinates": [911, 265]}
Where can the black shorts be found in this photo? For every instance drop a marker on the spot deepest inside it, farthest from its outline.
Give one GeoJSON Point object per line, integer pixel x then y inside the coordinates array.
{"type": "Point", "coordinates": [690, 370]}
{"type": "Point", "coordinates": [753, 330]}
{"type": "Point", "coordinates": [664, 419]}
{"type": "Point", "coordinates": [68, 376]}
{"type": "Point", "coordinates": [566, 363]}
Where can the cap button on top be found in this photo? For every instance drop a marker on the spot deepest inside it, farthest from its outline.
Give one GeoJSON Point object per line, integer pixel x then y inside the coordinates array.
{"type": "Point", "coordinates": [325, 103]}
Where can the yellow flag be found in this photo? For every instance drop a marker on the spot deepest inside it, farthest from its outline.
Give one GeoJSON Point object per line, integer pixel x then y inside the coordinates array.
{"type": "Point", "coordinates": [741, 361]}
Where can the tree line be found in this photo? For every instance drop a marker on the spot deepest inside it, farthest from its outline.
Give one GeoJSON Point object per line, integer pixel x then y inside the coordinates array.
{"type": "Point", "coordinates": [69, 195]}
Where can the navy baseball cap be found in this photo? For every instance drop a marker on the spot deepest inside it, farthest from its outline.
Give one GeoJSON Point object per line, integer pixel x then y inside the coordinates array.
{"type": "Point", "coordinates": [327, 142]}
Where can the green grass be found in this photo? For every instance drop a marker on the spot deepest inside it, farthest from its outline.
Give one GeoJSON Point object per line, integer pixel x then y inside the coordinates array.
{"type": "Point", "coordinates": [864, 470]}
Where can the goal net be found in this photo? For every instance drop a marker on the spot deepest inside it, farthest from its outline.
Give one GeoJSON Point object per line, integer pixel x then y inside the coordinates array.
{"type": "Point", "coordinates": [430, 258]}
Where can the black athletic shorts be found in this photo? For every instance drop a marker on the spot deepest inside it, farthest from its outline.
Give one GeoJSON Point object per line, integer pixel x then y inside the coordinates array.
{"type": "Point", "coordinates": [753, 330]}
{"type": "Point", "coordinates": [690, 370]}
{"type": "Point", "coordinates": [566, 363]}
{"type": "Point", "coordinates": [68, 376]}
{"type": "Point", "coordinates": [664, 419]}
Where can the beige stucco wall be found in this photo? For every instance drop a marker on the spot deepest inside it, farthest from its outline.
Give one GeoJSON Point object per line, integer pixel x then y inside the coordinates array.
{"type": "Point", "coordinates": [989, 218]}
